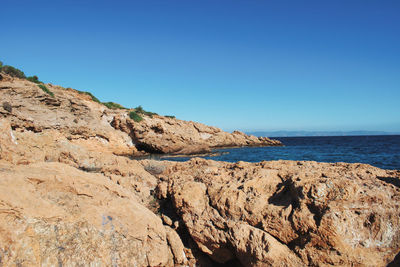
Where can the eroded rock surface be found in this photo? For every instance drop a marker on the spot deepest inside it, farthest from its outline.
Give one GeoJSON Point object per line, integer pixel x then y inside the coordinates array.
{"type": "Point", "coordinates": [52, 214]}
{"type": "Point", "coordinates": [64, 205]}
{"type": "Point", "coordinates": [286, 213]}
{"type": "Point", "coordinates": [70, 196]}
{"type": "Point", "coordinates": [92, 125]}
{"type": "Point", "coordinates": [171, 136]}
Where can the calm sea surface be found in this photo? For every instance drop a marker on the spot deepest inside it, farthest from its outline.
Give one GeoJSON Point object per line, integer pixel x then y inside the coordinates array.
{"type": "Point", "coordinates": [379, 151]}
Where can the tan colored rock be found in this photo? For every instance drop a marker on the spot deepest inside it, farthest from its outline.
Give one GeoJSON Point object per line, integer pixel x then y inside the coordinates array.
{"type": "Point", "coordinates": [69, 197]}
{"type": "Point", "coordinates": [51, 146]}
{"type": "Point", "coordinates": [71, 114]}
{"type": "Point", "coordinates": [52, 214]}
{"type": "Point", "coordinates": [166, 220]}
{"type": "Point", "coordinates": [162, 190]}
{"type": "Point", "coordinates": [176, 246]}
{"type": "Point", "coordinates": [92, 125]}
{"type": "Point", "coordinates": [289, 212]}
{"type": "Point", "coordinates": [255, 247]}
{"type": "Point", "coordinates": [7, 141]}
{"type": "Point", "coordinates": [171, 136]}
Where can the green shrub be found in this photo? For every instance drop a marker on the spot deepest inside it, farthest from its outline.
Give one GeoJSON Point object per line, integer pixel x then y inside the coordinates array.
{"type": "Point", "coordinates": [150, 114]}
{"type": "Point", "coordinates": [140, 110]}
{"type": "Point", "coordinates": [14, 72]}
{"type": "Point", "coordinates": [46, 90]}
{"type": "Point", "coordinates": [95, 99]}
{"type": "Point", "coordinates": [169, 116]}
{"type": "Point", "coordinates": [1, 64]}
{"type": "Point", "coordinates": [34, 79]}
{"type": "Point", "coordinates": [113, 105]}
{"type": "Point", "coordinates": [134, 116]}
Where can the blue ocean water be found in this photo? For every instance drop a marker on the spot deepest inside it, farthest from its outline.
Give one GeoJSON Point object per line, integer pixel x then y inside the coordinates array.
{"type": "Point", "coordinates": [380, 151]}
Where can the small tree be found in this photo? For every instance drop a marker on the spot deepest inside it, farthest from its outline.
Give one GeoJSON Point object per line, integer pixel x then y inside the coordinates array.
{"type": "Point", "coordinates": [140, 110]}
{"type": "Point", "coordinates": [34, 79]}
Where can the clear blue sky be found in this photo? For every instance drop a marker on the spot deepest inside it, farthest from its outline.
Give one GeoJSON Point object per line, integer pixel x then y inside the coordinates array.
{"type": "Point", "coordinates": [250, 65]}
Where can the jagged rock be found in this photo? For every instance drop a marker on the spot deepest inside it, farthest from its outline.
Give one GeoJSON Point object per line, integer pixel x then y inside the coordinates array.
{"type": "Point", "coordinates": [287, 213]}
{"type": "Point", "coordinates": [176, 245]}
{"type": "Point", "coordinates": [171, 136]}
{"type": "Point", "coordinates": [255, 247]}
{"type": "Point", "coordinates": [72, 114]}
{"type": "Point", "coordinates": [167, 220]}
{"type": "Point", "coordinates": [68, 197]}
{"type": "Point", "coordinates": [162, 190]}
{"type": "Point", "coordinates": [93, 125]}
{"type": "Point", "coordinates": [52, 214]}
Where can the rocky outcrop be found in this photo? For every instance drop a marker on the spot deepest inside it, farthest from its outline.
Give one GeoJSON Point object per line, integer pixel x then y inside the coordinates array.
{"type": "Point", "coordinates": [92, 125]}
{"type": "Point", "coordinates": [52, 214]}
{"type": "Point", "coordinates": [171, 136]}
{"type": "Point", "coordinates": [63, 205]}
{"type": "Point", "coordinates": [70, 114]}
{"type": "Point", "coordinates": [70, 196]}
{"type": "Point", "coordinates": [287, 213]}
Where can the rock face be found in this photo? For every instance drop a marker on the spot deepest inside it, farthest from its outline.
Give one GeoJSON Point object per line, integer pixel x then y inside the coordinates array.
{"type": "Point", "coordinates": [70, 114]}
{"type": "Point", "coordinates": [69, 196]}
{"type": "Point", "coordinates": [55, 215]}
{"type": "Point", "coordinates": [287, 213]}
{"type": "Point", "coordinates": [172, 136]}
{"type": "Point", "coordinates": [62, 205]}
{"type": "Point", "coordinates": [87, 123]}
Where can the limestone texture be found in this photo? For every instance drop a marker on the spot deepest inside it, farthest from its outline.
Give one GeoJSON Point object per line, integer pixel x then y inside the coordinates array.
{"type": "Point", "coordinates": [87, 123]}
{"type": "Point", "coordinates": [73, 194]}
{"type": "Point", "coordinates": [287, 213]}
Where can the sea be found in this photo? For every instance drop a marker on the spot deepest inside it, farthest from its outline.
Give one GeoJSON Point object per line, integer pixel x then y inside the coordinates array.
{"type": "Point", "coordinates": [382, 151]}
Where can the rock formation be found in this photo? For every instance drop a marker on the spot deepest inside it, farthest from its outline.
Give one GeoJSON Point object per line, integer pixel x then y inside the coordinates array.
{"type": "Point", "coordinates": [70, 195]}
{"type": "Point", "coordinates": [88, 123]}
{"type": "Point", "coordinates": [286, 213]}
{"type": "Point", "coordinates": [172, 136]}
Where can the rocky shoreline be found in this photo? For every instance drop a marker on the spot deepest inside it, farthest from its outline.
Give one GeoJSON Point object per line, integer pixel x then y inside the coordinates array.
{"type": "Point", "coordinates": [71, 195]}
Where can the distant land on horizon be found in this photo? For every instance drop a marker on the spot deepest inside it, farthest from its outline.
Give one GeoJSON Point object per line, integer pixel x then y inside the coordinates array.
{"type": "Point", "coordinates": [318, 133]}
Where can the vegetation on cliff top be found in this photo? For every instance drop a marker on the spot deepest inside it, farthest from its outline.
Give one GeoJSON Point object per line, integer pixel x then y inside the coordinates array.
{"type": "Point", "coordinates": [10, 70]}
{"type": "Point", "coordinates": [33, 79]}
{"type": "Point", "coordinates": [45, 89]}
{"type": "Point", "coordinates": [113, 105]}
{"type": "Point", "coordinates": [14, 72]}
{"type": "Point", "coordinates": [140, 110]}
{"type": "Point", "coordinates": [95, 99]}
{"type": "Point", "coordinates": [134, 116]}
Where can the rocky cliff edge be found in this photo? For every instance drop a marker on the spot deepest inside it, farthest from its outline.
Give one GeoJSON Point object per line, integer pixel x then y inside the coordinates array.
{"type": "Point", "coordinates": [85, 122]}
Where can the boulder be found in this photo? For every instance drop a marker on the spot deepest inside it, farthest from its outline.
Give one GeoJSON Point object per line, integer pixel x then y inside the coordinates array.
{"type": "Point", "coordinates": [55, 215]}
{"type": "Point", "coordinates": [287, 213]}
